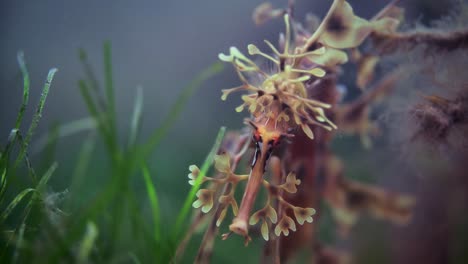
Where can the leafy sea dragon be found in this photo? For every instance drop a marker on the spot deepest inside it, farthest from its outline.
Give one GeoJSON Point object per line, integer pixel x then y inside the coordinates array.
{"type": "Point", "coordinates": [283, 107]}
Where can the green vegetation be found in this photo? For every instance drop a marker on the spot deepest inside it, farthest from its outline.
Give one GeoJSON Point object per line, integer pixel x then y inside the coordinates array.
{"type": "Point", "coordinates": [112, 225]}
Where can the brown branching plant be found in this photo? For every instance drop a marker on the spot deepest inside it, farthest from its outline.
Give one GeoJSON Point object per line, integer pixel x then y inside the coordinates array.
{"type": "Point", "coordinates": [296, 109]}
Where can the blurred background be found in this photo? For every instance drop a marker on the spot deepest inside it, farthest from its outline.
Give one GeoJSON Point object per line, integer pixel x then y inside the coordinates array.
{"type": "Point", "coordinates": [162, 46]}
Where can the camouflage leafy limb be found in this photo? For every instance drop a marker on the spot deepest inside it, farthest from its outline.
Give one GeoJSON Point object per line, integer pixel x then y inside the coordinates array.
{"type": "Point", "coordinates": [206, 165]}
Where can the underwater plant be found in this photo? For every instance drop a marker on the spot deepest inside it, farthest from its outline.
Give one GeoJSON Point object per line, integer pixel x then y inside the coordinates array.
{"type": "Point", "coordinates": [35, 192]}
{"type": "Point", "coordinates": [39, 225]}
